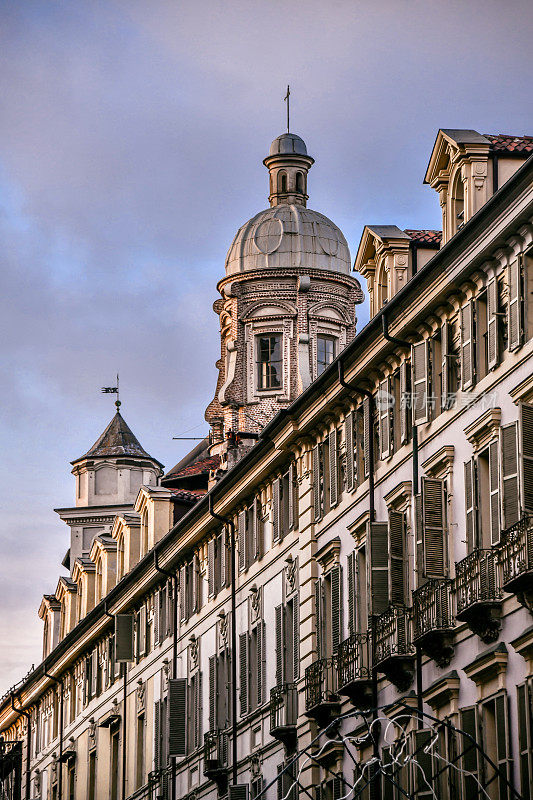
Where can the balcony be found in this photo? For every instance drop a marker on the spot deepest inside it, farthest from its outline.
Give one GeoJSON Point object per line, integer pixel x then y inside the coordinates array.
{"type": "Point", "coordinates": [516, 559]}
{"type": "Point", "coordinates": [478, 593]}
{"type": "Point", "coordinates": [433, 621]}
{"type": "Point", "coordinates": [155, 789]}
{"type": "Point", "coordinates": [284, 713]}
{"type": "Point", "coordinates": [354, 669]}
{"type": "Point", "coordinates": [216, 758]}
{"type": "Point", "coordinates": [322, 702]}
{"type": "Point", "coordinates": [394, 653]}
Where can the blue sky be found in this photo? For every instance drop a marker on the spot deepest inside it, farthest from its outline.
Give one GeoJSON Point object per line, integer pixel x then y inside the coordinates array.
{"type": "Point", "coordinates": [131, 141]}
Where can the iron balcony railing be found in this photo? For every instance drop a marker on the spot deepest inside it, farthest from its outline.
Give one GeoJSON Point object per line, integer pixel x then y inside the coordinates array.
{"type": "Point", "coordinates": [283, 706]}
{"type": "Point", "coordinates": [321, 682]}
{"type": "Point", "coordinates": [477, 580]}
{"type": "Point", "coordinates": [216, 751]}
{"type": "Point", "coordinates": [516, 552]}
{"type": "Point", "coordinates": [432, 608]}
{"type": "Point", "coordinates": [392, 634]}
{"type": "Point", "coordinates": [354, 662]}
{"type": "Point", "coordinates": [156, 787]}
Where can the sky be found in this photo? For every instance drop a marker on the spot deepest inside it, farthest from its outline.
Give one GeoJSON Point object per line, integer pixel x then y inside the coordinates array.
{"type": "Point", "coordinates": [131, 140]}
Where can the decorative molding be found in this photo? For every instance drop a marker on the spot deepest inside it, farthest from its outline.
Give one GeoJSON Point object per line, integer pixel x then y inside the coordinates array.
{"type": "Point", "coordinates": [444, 691]}
{"type": "Point", "coordinates": [489, 666]}
{"type": "Point", "coordinates": [440, 464]}
{"type": "Point", "coordinates": [400, 496]}
{"type": "Point", "coordinates": [329, 555]}
{"type": "Point", "coordinates": [484, 428]}
{"type": "Point", "coordinates": [524, 391]}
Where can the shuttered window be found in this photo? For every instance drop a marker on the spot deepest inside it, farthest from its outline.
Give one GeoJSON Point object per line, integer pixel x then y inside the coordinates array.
{"type": "Point", "coordinates": [495, 742]}
{"type": "Point", "coordinates": [184, 613]}
{"type": "Point", "coordinates": [445, 364]}
{"type": "Point", "coordinates": [378, 566]}
{"type": "Point", "coordinates": [287, 622]}
{"type": "Point", "coordinates": [123, 638]}
{"type": "Point", "coordinates": [336, 607]}
{"type": "Point", "coordinates": [420, 382]}
{"type": "Point", "coordinates": [243, 668]}
{"type": "Point", "coordinates": [318, 481]}
{"type": "Point", "coordinates": [433, 493]}
{"type": "Point", "coordinates": [333, 468]}
{"type": "Point", "coordinates": [526, 434]}
{"type": "Point", "coordinates": [384, 405]}
{"type": "Point", "coordinates": [219, 690]}
{"type": "Point", "coordinates": [471, 504]}
{"type": "Point", "coordinates": [211, 554]}
{"type": "Point", "coordinates": [319, 619]}
{"type": "Point", "coordinates": [177, 717]}
{"type": "Point", "coordinates": [212, 693]}
{"type": "Point", "coordinates": [242, 532]}
{"type": "Point", "coordinates": [525, 738]}
{"type": "Point", "coordinates": [352, 593]}
{"type": "Point", "coordinates": [397, 544]}
{"type": "Point", "coordinates": [494, 489]}
{"type": "Point", "coordinates": [293, 497]}
{"type": "Point", "coordinates": [157, 735]}
{"type": "Point", "coordinates": [493, 325]}
{"type": "Point", "coordinates": [405, 402]}
{"type": "Point", "coordinates": [510, 482]}
{"type": "Point", "coordinates": [469, 758]}
{"type": "Point", "coordinates": [194, 712]}
{"type": "Point", "coordinates": [467, 346]}
{"type": "Point", "coordinates": [280, 645]}
{"type": "Point", "coordinates": [515, 305]}
{"type": "Point", "coordinates": [368, 435]}
{"type": "Point", "coordinates": [276, 511]}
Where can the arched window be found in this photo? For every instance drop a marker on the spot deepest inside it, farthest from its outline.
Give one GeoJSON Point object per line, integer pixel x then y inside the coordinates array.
{"type": "Point", "coordinates": [282, 181]}
{"type": "Point", "coordinates": [299, 183]}
{"type": "Point", "coordinates": [120, 557]}
{"type": "Point", "coordinates": [458, 203]}
{"type": "Point", "coordinates": [99, 576]}
{"type": "Point", "coordinates": [144, 532]}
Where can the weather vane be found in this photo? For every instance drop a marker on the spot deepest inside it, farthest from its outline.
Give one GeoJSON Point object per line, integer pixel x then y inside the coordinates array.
{"type": "Point", "coordinates": [287, 100]}
{"type": "Point", "coordinates": [113, 390]}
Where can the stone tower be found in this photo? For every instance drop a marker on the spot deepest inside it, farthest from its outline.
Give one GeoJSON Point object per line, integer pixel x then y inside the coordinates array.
{"type": "Point", "coordinates": [287, 305]}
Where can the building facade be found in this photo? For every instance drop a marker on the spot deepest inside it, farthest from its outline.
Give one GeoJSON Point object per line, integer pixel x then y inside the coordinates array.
{"type": "Point", "coordinates": [334, 599]}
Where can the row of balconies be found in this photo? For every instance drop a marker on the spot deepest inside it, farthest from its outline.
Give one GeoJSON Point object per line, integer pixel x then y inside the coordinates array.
{"type": "Point", "coordinates": [474, 596]}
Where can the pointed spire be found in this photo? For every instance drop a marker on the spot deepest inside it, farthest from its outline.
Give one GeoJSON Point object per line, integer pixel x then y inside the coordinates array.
{"type": "Point", "coordinates": [117, 440]}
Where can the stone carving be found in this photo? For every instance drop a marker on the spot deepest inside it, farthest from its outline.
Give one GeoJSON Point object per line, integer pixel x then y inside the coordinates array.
{"type": "Point", "coordinates": [166, 673]}
{"type": "Point", "coordinates": [255, 604]}
{"type": "Point", "coordinates": [291, 574]}
{"type": "Point", "coordinates": [141, 696]}
{"type": "Point", "coordinates": [255, 766]}
{"type": "Point", "coordinates": [223, 628]}
{"type": "Point", "coordinates": [194, 652]}
{"type": "Point", "coordinates": [92, 734]}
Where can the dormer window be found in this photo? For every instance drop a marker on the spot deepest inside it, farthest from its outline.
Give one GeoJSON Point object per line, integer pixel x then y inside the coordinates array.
{"type": "Point", "coordinates": [269, 361]}
{"type": "Point", "coordinates": [326, 347]}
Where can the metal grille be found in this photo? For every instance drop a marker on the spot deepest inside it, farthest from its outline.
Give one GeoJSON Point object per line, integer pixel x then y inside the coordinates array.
{"type": "Point", "coordinates": [477, 579]}
{"type": "Point", "coordinates": [432, 608]}
{"type": "Point", "coordinates": [392, 634]}
{"type": "Point", "coordinates": [321, 682]}
{"type": "Point", "coordinates": [283, 706]}
{"type": "Point", "coordinates": [354, 659]}
{"type": "Point", "coordinates": [516, 550]}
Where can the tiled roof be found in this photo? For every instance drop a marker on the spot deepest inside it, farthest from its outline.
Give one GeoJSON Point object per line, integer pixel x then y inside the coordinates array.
{"type": "Point", "coordinates": [117, 440]}
{"type": "Point", "coordinates": [504, 143]}
{"type": "Point", "coordinates": [200, 467]}
{"type": "Point", "coordinates": [426, 237]}
{"type": "Point", "coordinates": [188, 495]}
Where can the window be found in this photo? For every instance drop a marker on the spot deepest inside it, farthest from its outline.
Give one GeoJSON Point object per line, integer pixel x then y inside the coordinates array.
{"type": "Point", "coordinates": [194, 713]}
{"type": "Point", "coordinates": [525, 737]}
{"type": "Point", "coordinates": [299, 183]}
{"type": "Point", "coordinates": [269, 361]}
{"type": "Point", "coordinates": [251, 663]}
{"type": "Point", "coordinates": [284, 504]}
{"type": "Point", "coordinates": [114, 764]}
{"type": "Point", "coordinates": [219, 691]}
{"type": "Point", "coordinates": [139, 763]}
{"type": "Point", "coordinates": [282, 182]}
{"type": "Point", "coordinates": [287, 641]}
{"type": "Point", "coordinates": [91, 794]}
{"type": "Point", "coordinates": [190, 589]}
{"type": "Point", "coordinates": [326, 347]}
{"type": "Point", "coordinates": [328, 611]}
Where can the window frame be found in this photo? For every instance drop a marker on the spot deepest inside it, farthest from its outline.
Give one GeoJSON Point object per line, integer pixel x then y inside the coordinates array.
{"type": "Point", "coordinates": [258, 364]}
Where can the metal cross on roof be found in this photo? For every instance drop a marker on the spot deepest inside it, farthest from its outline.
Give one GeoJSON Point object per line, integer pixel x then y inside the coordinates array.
{"type": "Point", "coordinates": [286, 98]}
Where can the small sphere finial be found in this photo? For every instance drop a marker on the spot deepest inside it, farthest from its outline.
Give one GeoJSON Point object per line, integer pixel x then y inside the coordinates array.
{"type": "Point", "coordinates": [118, 404]}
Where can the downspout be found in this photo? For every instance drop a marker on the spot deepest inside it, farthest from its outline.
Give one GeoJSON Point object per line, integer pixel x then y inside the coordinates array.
{"type": "Point", "coordinates": [231, 526]}
{"type": "Point", "coordinates": [26, 714]}
{"type": "Point", "coordinates": [419, 683]}
{"type": "Point", "coordinates": [174, 578]}
{"type": "Point", "coordinates": [60, 778]}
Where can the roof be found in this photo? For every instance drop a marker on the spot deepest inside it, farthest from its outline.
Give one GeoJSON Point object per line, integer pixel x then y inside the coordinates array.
{"type": "Point", "coordinates": [200, 467]}
{"type": "Point", "coordinates": [431, 238]}
{"type": "Point", "coordinates": [117, 440]}
{"type": "Point", "coordinates": [464, 136]}
{"type": "Point", "coordinates": [188, 495]}
{"type": "Point", "coordinates": [287, 144]}
{"type": "Point", "coordinates": [505, 143]}
{"type": "Point", "coordinates": [387, 231]}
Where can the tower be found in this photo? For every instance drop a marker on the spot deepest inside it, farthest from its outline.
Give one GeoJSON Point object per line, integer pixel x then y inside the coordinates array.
{"type": "Point", "coordinates": [286, 307]}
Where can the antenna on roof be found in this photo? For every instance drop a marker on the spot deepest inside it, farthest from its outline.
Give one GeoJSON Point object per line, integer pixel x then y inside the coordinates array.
{"type": "Point", "coordinates": [287, 100]}
{"type": "Point", "coordinates": [113, 390]}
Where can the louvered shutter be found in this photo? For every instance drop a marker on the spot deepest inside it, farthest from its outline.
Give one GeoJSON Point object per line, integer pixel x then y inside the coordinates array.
{"type": "Point", "coordinates": [123, 638]}
{"type": "Point", "coordinates": [292, 496]}
{"type": "Point", "coordinates": [163, 612]}
{"type": "Point", "coordinates": [280, 659]}
{"type": "Point", "coordinates": [397, 558]}
{"type": "Point", "coordinates": [142, 631]}
{"type": "Point", "coordinates": [336, 607]}
{"type": "Point", "coordinates": [318, 618]}
{"type": "Point", "coordinates": [494, 487]}
{"type": "Point", "coordinates": [157, 600]}
{"type": "Point", "coordinates": [515, 305]}
{"type": "Point", "coordinates": [368, 434]}
{"type": "Point", "coordinates": [243, 664]}
{"type": "Point", "coordinates": [470, 753]}
{"type": "Point", "coordinates": [242, 539]}
{"type": "Point", "coordinates": [445, 366]}
{"type": "Point", "coordinates": [420, 382]}
{"type": "Point", "coordinates": [212, 693]}
{"type": "Point", "coordinates": [317, 489]}
{"type": "Point", "coordinates": [378, 566]}
{"type": "Point", "coordinates": [493, 355]}
{"type": "Point", "coordinates": [184, 612]}
{"type": "Point", "coordinates": [157, 735]}
{"type": "Point", "coordinates": [177, 717]}
{"type": "Point", "coordinates": [433, 524]}
{"type": "Point", "coordinates": [238, 791]}
{"type": "Point", "coordinates": [211, 590]}
{"type": "Point", "coordinates": [526, 435]}
{"type": "Point", "coordinates": [276, 511]}
{"type": "Point", "coordinates": [260, 657]}
{"type": "Point", "coordinates": [254, 533]}
{"type": "Point", "coordinates": [337, 789]}
{"type": "Point", "coordinates": [195, 578]}
{"type": "Point", "coordinates": [94, 672]}
{"type": "Point", "coordinates": [349, 443]}
{"type": "Point", "coordinates": [333, 475]}
{"type": "Point", "coordinates": [471, 504]}
{"type": "Point", "coordinates": [384, 400]}
{"type": "Point", "coordinates": [222, 556]}
{"type": "Point", "coordinates": [296, 637]}
{"type": "Point", "coordinates": [405, 402]}
{"type": "Point", "coordinates": [510, 485]}
{"type": "Point", "coordinates": [352, 609]}
{"type": "Point", "coordinates": [467, 346]}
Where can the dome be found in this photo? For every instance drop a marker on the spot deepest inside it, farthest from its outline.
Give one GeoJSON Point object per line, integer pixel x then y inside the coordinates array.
{"type": "Point", "coordinates": [288, 236]}
{"type": "Point", "coordinates": [286, 144]}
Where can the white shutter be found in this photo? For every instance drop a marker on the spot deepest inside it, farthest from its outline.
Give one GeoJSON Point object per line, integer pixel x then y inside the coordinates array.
{"type": "Point", "coordinates": [493, 355]}
{"type": "Point", "coordinates": [333, 474]}
{"type": "Point", "coordinates": [515, 305]}
{"type": "Point", "coordinates": [467, 346]}
{"type": "Point", "coordinates": [420, 382]}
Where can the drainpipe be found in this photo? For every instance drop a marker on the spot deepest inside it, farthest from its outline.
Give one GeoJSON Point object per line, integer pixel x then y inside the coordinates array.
{"type": "Point", "coordinates": [231, 526]}
{"type": "Point", "coordinates": [60, 777]}
{"type": "Point", "coordinates": [174, 578]}
{"type": "Point", "coordinates": [26, 714]}
{"type": "Point", "coordinates": [366, 393]}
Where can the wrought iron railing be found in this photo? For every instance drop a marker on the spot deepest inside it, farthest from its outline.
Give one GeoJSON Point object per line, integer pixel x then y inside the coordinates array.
{"type": "Point", "coordinates": [432, 608]}
{"type": "Point", "coordinates": [392, 634]}
{"type": "Point", "coordinates": [354, 662]}
{"type": "Point", "coordinates": [215, 751]}
{"type": "Point", "coordinates": [153, 790]}
{"type": "Point", "coordinates": [283, 706]}
{"type": "Point", "coordinates": [477, 579]}
{"type": "Point", "coordinates": [321, 682]}
{"type": "Point", "coordinates": [516, 550]}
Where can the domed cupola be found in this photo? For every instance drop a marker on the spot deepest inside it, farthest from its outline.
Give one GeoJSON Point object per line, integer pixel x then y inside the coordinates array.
{"type": "Point", "coordinates": [288, 164]}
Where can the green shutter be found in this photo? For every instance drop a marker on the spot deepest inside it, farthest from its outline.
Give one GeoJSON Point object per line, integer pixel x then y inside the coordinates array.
{"type": "Point", "coordinates": [242, 539]}
{"type": "Point", "coordinates": [296, 637]}
{"type": "Point", "coordinates": [276, 511]}
{"type": "Point", "coordinates": [123, 638]}
{"type": "Point", "coordinates": [212, 693]}
{"type": "Point", "coordinates": [352, 583]}
{"type": "Point", "coordinates": [349, 445]}
{"type": "Point", "coordinates": [336, 607]}
{"type": "Point", "coordinates": [318, 617]}
{"type": "Point", "coordinates": [280, 644]}
{"type": "Point", "coordinates": [333, 474]}
{"type": "Point", "coordinates": [384, 418]}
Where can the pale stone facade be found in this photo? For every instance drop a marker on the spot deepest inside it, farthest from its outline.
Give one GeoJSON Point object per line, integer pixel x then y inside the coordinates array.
{"type": "Point", "coordinates": [383, 560]}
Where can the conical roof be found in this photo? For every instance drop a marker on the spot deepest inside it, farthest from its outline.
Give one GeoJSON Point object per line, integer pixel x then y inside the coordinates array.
{"type": "Point", "coordinates": [117, 440]}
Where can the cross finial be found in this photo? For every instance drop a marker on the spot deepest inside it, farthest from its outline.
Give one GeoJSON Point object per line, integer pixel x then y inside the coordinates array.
{"type": "Point", "coordinates": [287, 100]}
